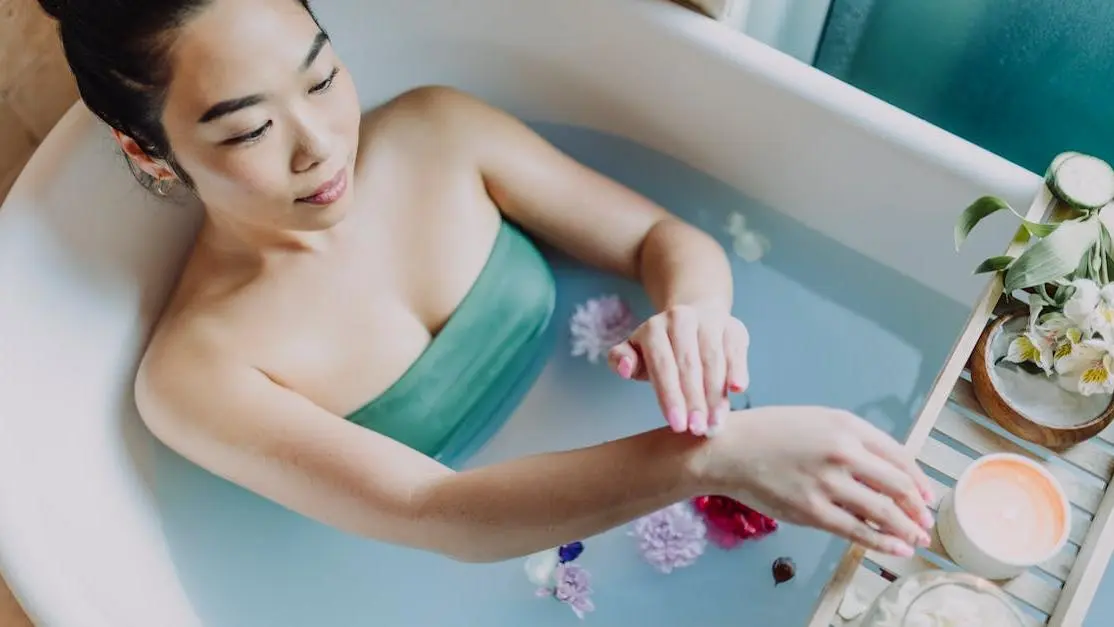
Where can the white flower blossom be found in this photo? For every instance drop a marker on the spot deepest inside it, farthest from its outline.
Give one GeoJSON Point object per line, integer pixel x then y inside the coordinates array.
{"type": "Point", "coordinates": [1088, 369]}
{"type": "Point", "coordinates": [1091, 308]}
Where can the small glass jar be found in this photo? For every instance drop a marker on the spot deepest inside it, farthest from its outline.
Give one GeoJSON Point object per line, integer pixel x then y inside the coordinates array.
{"type": "Point", "coordinates": [935, 596]}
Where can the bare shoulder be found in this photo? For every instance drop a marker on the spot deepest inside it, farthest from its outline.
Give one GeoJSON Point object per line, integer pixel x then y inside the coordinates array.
{"type": "Point", "coordinates": [197, 338]}
{"type": "Point", "coordinates": [430, 107]}
{"type": "Point", "coordinates": [184, 360]}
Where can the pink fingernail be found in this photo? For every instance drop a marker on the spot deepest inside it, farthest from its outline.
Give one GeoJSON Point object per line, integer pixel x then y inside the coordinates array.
{"type": "Point", "coordinates": [697, 422]}
{"type": "Point", "coordinates": [676, 419]}
{"type": "Point", "coordinates": [924, 539]}
{"type": "Point", "coordinates": [626, 368]}
{"type": "Point", "coordinates": [899, 548]}
{"type": "Point", "coordinates": [717, 417]}
{"type": "Point", "coordinates": [926, 519]}
{"type": "Point", "coordinates": [928, 496]}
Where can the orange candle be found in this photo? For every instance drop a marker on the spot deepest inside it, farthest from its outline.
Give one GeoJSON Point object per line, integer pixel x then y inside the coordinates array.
{"type": "Point", "coordinates": [1006, 514]}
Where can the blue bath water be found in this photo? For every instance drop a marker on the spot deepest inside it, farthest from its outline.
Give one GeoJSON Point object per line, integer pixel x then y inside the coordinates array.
{"type": "Point", "coordinates": [828, 326]}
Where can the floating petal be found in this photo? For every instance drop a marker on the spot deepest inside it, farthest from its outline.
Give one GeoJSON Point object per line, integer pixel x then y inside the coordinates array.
{"type": "Point", "coordinates": [541, 566]}
{"type": "Point", "coordinates": [599, 324]}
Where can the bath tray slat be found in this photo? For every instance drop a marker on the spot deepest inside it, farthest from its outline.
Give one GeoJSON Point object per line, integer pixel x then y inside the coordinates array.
{"type": "Point", "coordinates": [950, 432]}
{"type": "Point", "coordinates": [1107, 435]}
{"type": "Point", "coordinates": [1080, 492]}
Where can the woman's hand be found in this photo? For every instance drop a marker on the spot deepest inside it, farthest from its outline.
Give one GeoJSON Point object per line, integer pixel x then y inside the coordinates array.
{"type": "Point", "coordinates": [823, 468]}
{"type": "Point", "coordinates": [694, 356]}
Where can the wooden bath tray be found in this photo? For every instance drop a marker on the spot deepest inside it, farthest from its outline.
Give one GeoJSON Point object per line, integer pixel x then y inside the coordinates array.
{"type": "Point", "coordinates": [950, 431]}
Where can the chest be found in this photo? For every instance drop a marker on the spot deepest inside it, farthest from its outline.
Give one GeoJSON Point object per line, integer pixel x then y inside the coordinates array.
{"type": "Point", "coordinates": [344, 328]}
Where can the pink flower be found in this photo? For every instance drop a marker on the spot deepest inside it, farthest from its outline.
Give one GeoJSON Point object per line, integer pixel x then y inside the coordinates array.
{"type": "Point", "coordinates": [599, 324]}
{"type": "Point", "coordinates": [572, 587]}
{"type": "Point", "coordinates": [670, 538]}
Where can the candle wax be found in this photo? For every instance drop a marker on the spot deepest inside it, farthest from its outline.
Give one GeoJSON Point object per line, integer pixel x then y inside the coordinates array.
{"type": "Point", "coordinates": [1010, 511]}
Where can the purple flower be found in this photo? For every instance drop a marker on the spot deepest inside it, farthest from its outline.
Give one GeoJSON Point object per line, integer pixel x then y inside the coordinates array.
{"type": "Point", "coordinates": [673, 537]}
{"type": "Point", "coordinates": [572, 588]}
{"type": "Point", "coordinates": [599, 324]}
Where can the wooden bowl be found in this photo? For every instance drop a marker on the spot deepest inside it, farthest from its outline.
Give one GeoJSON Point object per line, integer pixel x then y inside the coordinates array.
{"type": "Point", "coordinates": [1031, 406]}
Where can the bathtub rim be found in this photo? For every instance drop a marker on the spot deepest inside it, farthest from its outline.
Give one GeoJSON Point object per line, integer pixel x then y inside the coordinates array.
{"type": "Point", "coordinates": [31, 578]}
{"type": "Point", "coordinates": [764, 64]}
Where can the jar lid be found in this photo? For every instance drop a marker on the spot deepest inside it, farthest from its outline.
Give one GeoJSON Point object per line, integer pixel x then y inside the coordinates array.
{"type": "Point", "coordinates": [933, 598]}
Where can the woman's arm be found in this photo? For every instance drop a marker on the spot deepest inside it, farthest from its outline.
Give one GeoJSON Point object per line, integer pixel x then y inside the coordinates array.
{"type": "Point", "coordinates": [239, 424]}
{"type": "Point", "coordinates": [579, 210]}
{"type": "Point", "coordinates": [805, 465]}
{"type": "Point", "coordinates": [693, 350]}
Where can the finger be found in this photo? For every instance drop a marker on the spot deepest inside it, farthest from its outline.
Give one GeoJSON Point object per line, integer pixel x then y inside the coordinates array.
{"type": "Point", "coordinates": [684, 336]}
{"type": "Point", "coordinates": [661, 366]}
{"type": "Point", "coordinates": [860, 500]}
{"type": "Point", "coordinates": [880, 443]}
{"type": "Point", "coordinates": [623, 359]}
{"type": "Point", "coordinates": [886, 478]}
{"type": "Point", "coordinates": [620, 353]}
{"type": "Point", "coordinates": [714, 366]}
{"type": "Point", "coordinates": [842, 523]}
{"type": "Point", "coordinates": [737, 343]}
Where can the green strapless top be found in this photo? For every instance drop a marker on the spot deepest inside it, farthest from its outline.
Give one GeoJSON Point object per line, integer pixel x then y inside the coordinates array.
{"type": "Point", "coordinates": [463, 387]}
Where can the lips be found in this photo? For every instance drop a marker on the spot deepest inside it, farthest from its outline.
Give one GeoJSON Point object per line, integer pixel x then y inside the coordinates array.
{"type": "Point", "coordinates": [330, 191]}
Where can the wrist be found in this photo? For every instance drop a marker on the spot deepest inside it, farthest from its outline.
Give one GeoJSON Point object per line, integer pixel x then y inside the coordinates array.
{"type": "Point", "coordinates": [709, 303]}
{"type": "Point", "coordinates": [698, 465]}
{"type": "Point", "coordinates": [716, 465]}
{"type": "Point", "coordinates": [671, 465]}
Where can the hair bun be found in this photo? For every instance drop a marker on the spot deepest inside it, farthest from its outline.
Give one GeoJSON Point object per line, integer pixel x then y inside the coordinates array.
{"type": "Point", "coordinates": [56, 8]}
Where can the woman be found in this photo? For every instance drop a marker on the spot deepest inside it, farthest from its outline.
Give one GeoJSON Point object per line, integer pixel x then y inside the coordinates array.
{"type": "Point", "coordinates": [362, 299]}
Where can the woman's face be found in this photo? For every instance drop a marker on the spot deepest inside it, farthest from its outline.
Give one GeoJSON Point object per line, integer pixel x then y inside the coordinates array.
{"type": "Point", "coordinates": [262, 115]}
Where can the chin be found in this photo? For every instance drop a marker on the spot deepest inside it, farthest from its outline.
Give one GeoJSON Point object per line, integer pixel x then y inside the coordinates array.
{"type": "Point", "coordinates": [325, 219]}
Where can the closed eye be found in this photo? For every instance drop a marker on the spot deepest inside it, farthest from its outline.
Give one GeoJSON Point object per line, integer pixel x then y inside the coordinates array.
{"type": "Point", "coordinates": [325, 84]}
{"type": "Point", "coordinates": [249, 137]}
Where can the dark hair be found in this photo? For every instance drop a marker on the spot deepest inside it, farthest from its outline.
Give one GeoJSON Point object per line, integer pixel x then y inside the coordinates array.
{"type": "Point", "coordinates": [117, 50]}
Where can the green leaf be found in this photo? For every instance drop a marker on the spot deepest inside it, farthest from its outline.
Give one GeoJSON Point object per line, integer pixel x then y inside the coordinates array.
{"type": "Point", "coordinates": [1042, 291]}
{"type": "Point", "coordinates": [1060, 295]}
{"type": "Point", "coordinates": [975, 213]}
{"type": "Point", "coordinates": [1054, 256]}
{"type": "Point", "coordinates": [1106, 242]}
{"type": "Point", "coordinates": [1064, 291]}
{"type": "Point", "coordinates": [1083, 270]}
{"type": "Point", "coordinates": [994, 264]}
{"type": "Point", "coordinates": [989, 205]}
{"type": "Point", "coordinates": [1038, 229]}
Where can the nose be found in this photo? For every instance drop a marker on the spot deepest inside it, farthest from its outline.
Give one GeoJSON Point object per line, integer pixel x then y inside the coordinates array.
{"type": "Point", "coordinates": [312, 148]}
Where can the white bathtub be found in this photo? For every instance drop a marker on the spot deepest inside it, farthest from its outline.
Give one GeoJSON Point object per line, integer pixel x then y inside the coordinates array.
{"type": "Point", "coordinates": [86, 257]}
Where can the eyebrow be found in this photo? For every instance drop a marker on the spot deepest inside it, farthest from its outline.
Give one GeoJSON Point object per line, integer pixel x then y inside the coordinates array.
{"type": "Point", "coordinates": [315, 49]}
{"type": "Point", "coordinates": [226, 107]}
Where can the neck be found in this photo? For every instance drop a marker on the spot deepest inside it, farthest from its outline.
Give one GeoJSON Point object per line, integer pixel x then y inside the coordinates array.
{"type": "Point", "coordinates": [236, 236]}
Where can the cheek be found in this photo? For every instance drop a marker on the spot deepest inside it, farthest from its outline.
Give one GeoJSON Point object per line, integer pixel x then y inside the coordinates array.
{"type": "Point", "coordinates": [254, 173]}
{"type": "Point", "coordinates": [345, 110]}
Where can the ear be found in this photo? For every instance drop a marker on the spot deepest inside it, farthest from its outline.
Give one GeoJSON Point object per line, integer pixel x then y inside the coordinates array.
{"type": "Point", "coordinates": [131, 148]}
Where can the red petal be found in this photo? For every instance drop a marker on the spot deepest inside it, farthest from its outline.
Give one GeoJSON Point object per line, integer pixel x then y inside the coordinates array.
{"type": "Point", "coordinates": [730, 522]}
